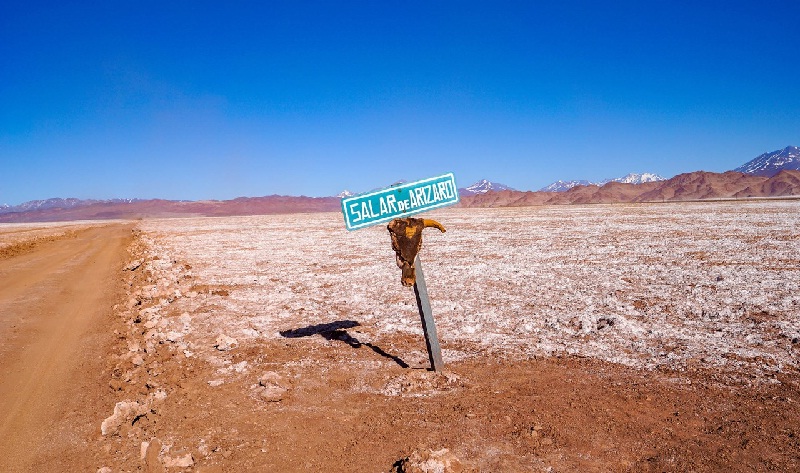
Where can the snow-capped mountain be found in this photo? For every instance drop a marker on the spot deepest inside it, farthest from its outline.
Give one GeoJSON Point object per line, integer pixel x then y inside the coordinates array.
{"type": "Point", "coordinates": [57, 203]}
{"type": "Point", "coordinates": [563, 186]}
{"type": "Point", "coordinates": [483, 186]}
{"type": "Point", "coordinates": [344, 194]}
{"type": "Point", "coordinates": [769, 164]}
{"type": "Point", "coordinates": [632, 178]}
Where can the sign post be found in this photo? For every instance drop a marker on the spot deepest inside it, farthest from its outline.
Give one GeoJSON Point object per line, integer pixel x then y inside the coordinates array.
{"type": "Point", "coordinates": [398, 202]}
{"type": "Point", "coordinates": [428, 327]}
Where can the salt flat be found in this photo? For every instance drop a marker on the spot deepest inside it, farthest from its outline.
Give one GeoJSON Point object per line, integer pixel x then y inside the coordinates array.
{"type": "Point", "coordinates": [664, 285]}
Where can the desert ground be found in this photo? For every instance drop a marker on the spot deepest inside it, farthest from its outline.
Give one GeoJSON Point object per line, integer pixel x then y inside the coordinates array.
{"type": "Point", "coordinates": [627, 337]}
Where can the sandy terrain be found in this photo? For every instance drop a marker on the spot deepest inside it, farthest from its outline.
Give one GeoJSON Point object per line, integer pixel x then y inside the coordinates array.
{"type": "Point", "coordinates": [20, 238]}
{"type": "Point", "coordinates": [56, 295]}
{"type": "Point", "coordinates": [584, 338]}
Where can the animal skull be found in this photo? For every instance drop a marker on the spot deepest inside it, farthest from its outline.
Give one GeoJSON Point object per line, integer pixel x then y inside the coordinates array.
{"type": "Point", "coordinates": [406, 236]}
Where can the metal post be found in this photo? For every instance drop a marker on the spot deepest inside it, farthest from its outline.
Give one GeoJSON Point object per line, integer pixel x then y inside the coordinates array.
{"type": "Point", "coordinates": [425, 313]}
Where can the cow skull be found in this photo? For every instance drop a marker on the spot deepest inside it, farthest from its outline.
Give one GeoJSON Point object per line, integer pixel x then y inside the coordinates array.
{"type": "Point", "coordinates": [406, 236]}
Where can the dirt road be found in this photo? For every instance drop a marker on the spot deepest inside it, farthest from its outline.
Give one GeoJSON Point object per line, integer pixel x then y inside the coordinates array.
{"type": "Point", "coordinates": [53, 303]}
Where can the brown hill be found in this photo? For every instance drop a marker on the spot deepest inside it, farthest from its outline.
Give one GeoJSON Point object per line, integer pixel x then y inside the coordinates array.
{"type": "Point", "coordinates": [698, 185]}
{"type": "Point", "coordinates": [785, 183]}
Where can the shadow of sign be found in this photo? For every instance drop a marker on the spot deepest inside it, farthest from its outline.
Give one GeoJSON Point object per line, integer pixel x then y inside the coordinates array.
{"type": "Point", "coordinates": [338, 331]}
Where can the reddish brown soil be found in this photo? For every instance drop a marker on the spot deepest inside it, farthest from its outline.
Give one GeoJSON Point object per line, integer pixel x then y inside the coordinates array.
{"type": "Point", "coordinates": [349, 406]}
{"type": "Point", "coordinates": [56, 296]}
{"type": "Point", "coordinates": [521, 415]}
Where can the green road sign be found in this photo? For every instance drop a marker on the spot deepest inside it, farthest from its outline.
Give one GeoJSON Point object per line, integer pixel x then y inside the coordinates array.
{"type": "Point", "coordinates": [399, 201]}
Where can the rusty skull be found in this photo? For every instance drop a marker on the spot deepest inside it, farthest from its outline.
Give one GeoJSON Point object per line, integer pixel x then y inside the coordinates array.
{"type": "Point", "coordinates": [406, 236]}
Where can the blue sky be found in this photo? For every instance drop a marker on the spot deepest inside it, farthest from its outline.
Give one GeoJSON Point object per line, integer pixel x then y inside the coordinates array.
{"type": "Point", "coordinates": [200, 100]}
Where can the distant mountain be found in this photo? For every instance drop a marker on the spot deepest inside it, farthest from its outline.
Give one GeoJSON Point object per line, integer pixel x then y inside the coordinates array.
{"type": "Point", "coordinates": [563, 186]}
{"type": "Point", "coordinates": [632, 178]}
{"type": "Point", "coordinates": [770, 164]}
{"type": "Point", "coordinates": [691, 186]}
{"type": "Point", "coordinates": [344, 194]}
{"type": "Point", "coordinates": [483, 186]}
{"type": "Point", "coordinates": [76, 209]}
{"type": "Point", "coordinates": [58, 203]}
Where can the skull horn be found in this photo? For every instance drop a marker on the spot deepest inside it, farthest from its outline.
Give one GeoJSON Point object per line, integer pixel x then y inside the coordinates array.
{"type": "Point", "coordinates": [427, 223]}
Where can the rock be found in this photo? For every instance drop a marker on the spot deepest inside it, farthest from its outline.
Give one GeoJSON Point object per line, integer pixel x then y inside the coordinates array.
{"type": "Point", "coordinates": [124, 411]}
{"type": "Point", "coordinates": [225, 343]}
{"type": "Point", "coordinates": [179, 461]}
{"type": "Point", "coordinates": [156, 398]}
{"type": "Point", "coordinates": [270, 388]}
{"type": "Point", "coordinates": [251, 333]}
{"type": "Point", "coordinates": [438, 461]}
{"type": "Point", "coordinates": [137, 360]}
{"type": "Point", "coordinates": [128, 411]}
{"type": "Point", "coordinates": [148, 313]}
{"type": "Point", "coordinates": [104, 469]}
{"type": "Point", "coordinates": [272, 393]}
{"type": "Point", "coordinates": [174, 336]}
{"type": "Point", "coordinates": [134, 265]}
{"type": "Point", "coordinates": [269, 378]}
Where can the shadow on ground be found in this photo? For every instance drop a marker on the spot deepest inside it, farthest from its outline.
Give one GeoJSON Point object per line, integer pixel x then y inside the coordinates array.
{"type": "Point", "coordinates": [338, 331]}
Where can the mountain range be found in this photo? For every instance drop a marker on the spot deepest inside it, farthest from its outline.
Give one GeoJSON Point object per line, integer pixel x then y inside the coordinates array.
{"type": "Point", "coordinates": [699, 185]}
{"type": "Point", "coordinates": [133, 209]}
{"type": "Point", "coordinates": [775, 174]}
{"type": "Point", "coordinates": [632, 178]}
{"type": "Point", "coordinates": [483, 186]}
{"type": "Point", "coordinates": [59, 203]}
{"type": "Point", "coordinates": [770, 164]}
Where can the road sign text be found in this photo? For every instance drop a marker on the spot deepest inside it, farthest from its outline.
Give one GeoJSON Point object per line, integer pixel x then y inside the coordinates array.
{"type": "Point", "coordinates": [399, 201]}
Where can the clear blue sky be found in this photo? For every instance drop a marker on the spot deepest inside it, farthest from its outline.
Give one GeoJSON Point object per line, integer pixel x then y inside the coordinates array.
{"type": "Point", "coordinates": [202, 100]}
